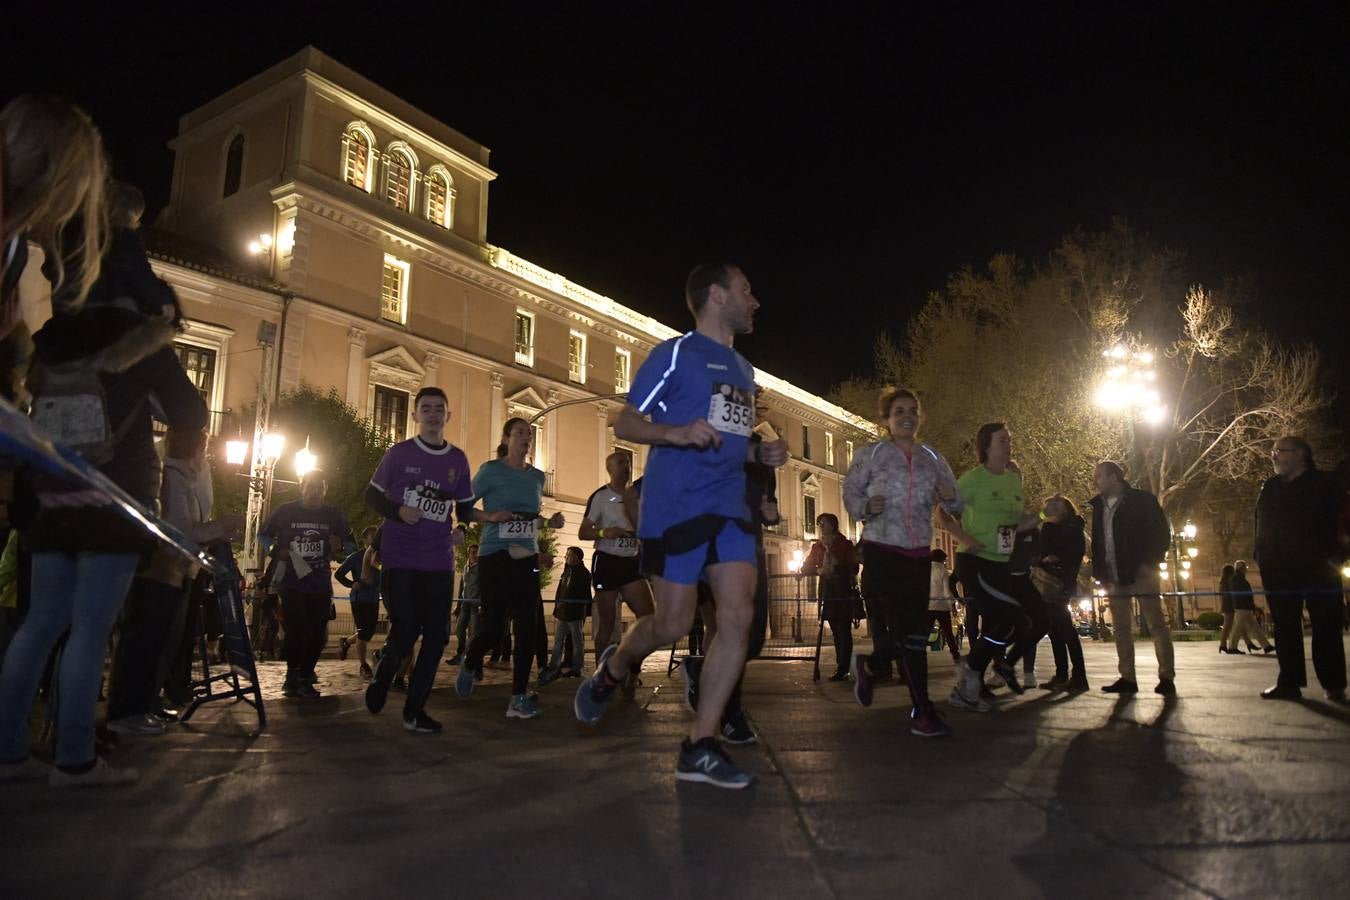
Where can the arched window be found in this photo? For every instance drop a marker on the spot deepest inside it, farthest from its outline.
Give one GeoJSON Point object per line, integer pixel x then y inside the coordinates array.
{"type": "Point", "coordinates": [400, 166]}
{"type": "Point", "coordinates": [358, 149]}
{"type": "Point", "coordinates": [440, 197]}
{"type": "Point", "coordinates": [234, 165]}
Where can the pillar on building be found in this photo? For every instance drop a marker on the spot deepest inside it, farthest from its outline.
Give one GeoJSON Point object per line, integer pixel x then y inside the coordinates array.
{"type": "Point", "coordinates": [356, 357]}
{"type": "Point", "coordinates": [497, 414]}
{"type": "Point", "coordinates": [432, 364]}
{"type": "Point", "coordinates": [551, 432]}
{"type": "Point", "coordinates": [602, 439]}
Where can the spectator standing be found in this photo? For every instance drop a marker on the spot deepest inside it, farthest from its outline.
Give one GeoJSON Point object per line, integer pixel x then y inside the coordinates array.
{"type": "Point", "coordinates": [570, 606]}
{"type": "Point", "coordinates": [833, 560]}
{"type": "Point", "coordinates": [1245, 626]}
{"type": "Point", "coordinates": [1299, 554]}
{"type": "Point", "coordinates": [940, 601]}
{"type": "Point", "coordinates": [1130, 536]}
{"type": "Point", "coordinates": [469, 606]}
{"type": "Point", "coordinates": [360, 573]}
{"type": "Point", "coordinates": [1226, 608]}
{"type": "Point", "coordinates": [1062, 548]}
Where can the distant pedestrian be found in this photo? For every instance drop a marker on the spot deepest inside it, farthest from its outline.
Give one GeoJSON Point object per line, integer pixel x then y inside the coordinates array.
{"type": "Point", "coordinates": [1130, 537]}
{"type": "Point", "coordinates": [940, 602]}
{"type": "Point", "coordinates": [569, 608]}
{"type": "Point", "coordinates": [1245, 626]}
{"type": "Point", "coordinates": [1226, 608]}
{"type": "Point", "coordinates": [1062, 548]}
{"type": "Point", "coordinates": [833, 560]}
{"type": "Point", "coordinates": [360, 572]}
{"type": "Point", "coordinates": [1299, 555]}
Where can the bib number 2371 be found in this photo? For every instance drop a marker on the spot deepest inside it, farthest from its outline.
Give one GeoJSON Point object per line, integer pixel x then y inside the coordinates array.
{"type": "Point", "coordinates": [731, 409]}
{"type": "Point", "coordinates": [519, 529]}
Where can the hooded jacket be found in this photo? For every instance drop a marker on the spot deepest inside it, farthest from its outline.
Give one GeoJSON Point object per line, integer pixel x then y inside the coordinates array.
{"type": "Point", "coordinates": [909, 484]}
{"type": "Point", "coordinates": [1141, 531]}
{"type": "Point", "coordinates": [139, 372]}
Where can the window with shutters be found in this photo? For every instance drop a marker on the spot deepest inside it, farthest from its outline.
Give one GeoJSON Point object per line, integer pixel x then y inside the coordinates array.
{"type": "Point", "coordinates": [358, 146]}
{"type": "Point", "coordinates": [623, 367]}
{"type": "Point", "coordinates": [524, 337]}
{"type": "Point", "coordinates": [576, 357]}
{"type": "Point", "coordinates": [391, 413]}
{"type": "Point", "coordinates": [398, 174]}
{"type": "Point", "coordinates": [394, 290]}
{"type": "Point", "coordinates": [829, 449]}
{"type": "Point", "coordinates": [440, 197]}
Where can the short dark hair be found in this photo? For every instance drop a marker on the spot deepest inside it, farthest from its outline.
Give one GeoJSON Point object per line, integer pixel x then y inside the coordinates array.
{"type": "Point", "coordinates": [430, 391]}
{"type": "Point", "coordinates": [313, 474]}
{"type": "Point", "coordinates": [984, 438]}
{"type": "Point", "coordinates": [828, 517]}
{"type": "Point", "coordinates": [939, 555]}
{"type": "Point", "coordinates": [577, 550]}
{"type": "Point", "coordinates": [891, 394]}
{"type": "Point", "coordinates": [1115, 468]}
{"type": "Point", "coordinates": [702, 277]}
{"type": "Point", "coordinates": [125, 204]}
{"type": "Point", "coordinates": [1303, 446]}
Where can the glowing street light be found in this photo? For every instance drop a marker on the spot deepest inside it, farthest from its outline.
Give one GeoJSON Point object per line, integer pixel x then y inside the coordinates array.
{"type": "Point", "coordinates": [1190, 531]}
{"type": "Point", "coordinates": [236, 452]}
{"type": "Point", "coordinates": [1126, 385]}
{"type": "Point", "coordinates": [1192, 552]}
{"type": "Point", "coordinates": [795, 564]}
{"type": "Point", "coordinates": [305, 461]}
{"type": "Point", "coordinates": [273, 443]}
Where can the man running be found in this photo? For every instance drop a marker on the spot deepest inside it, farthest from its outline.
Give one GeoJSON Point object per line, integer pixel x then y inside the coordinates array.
{"type": "Point", "coordinates": [414, 487]}
{"type": "Point", "coordinates": [694, 522]}
{"type": "Point", "coordinates": [615, 569]}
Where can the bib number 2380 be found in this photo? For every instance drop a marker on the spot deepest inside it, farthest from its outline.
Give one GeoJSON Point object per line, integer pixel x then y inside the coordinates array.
{"type": "Point", "coordinates": [519, 529]}
{"type": "Point", "coordinates": [731, 409]}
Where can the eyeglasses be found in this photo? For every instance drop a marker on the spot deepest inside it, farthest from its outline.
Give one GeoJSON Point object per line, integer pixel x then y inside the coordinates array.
{"type": "Point", "coordinates": [1278, 450]}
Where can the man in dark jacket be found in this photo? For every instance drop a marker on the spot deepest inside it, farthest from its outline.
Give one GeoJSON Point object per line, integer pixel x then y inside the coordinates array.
{"type": "Point", "coordinates": [1130, 536]}
{"type": "Point", "coordinates": [1299, 554]}
{"type": "Point", "coordinates": [570, 606]}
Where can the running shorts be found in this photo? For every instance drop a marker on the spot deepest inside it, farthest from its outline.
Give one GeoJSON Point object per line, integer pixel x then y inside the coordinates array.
{"type": "Point", "coordinates": [685, 550]}
{"type": "Point", "coordinates": [610, 572]}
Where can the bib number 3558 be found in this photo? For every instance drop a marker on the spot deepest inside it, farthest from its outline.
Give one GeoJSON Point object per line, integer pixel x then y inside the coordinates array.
{"type": "Point", "coordinates": [730, 409]}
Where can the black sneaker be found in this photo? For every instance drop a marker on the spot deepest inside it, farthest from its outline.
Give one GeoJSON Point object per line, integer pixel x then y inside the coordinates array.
{"type": "Point", "coordinates": [376, 693]}
{"type": "Point", "coordinates": [290, 688]}
{"type": "Point", "coordinates": [400, 685]}
{"type": "Point", "coordinates": [735, 730]}
{"type": "Point", "coordinates": [708, 763]}
{"type": "Point", "coordinates": [862, 680]}
{"type": "Point", "coordinates": [1009, 676]}
{"type": "Point", "coordinates": [689, 671]}
{"type": "Point", "coordinates": [1167, 687]}
{"type": "Point", "coordinates": [1121, 686]}
{"type": "Point", "coordinates": [307, 689]}
{"type": "Point", "coordinates": [594, 694]}
{"type": "Point", "coordinates": [421, 723]}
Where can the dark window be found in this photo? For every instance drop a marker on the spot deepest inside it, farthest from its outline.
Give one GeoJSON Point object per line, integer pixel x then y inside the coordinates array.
{"type": "Point", "coordinates": [234, 165]}
{"type": "Point", "coordinates": [200, 365]}
{"type": "Point", "coordinates": [391, 413]}
{"type": "Point", "coordinates": [806, 442]}
{"type": "Point", "coordinates": [809, 515]}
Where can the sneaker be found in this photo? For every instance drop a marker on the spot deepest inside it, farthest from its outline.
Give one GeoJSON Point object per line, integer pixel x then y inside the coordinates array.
{"type": "Point", "coordinates": [706, 762]}
{"type": "Point", "coordinates": [101, 775]}
{"type": "Point", "coordinates": [839, 675]}
{"type": "Point", "coordinates": [862, 680]}
{"type": "Point", "coordinates": [30, 768]}
{"type": "Point", "coordinates": [736, 730]}
{"type": "Point", "coordinates": [1167, 687]}
{"type": "Point", "coordinates": [1009, 676]}
{"type": "Point", "coordinates": [960, 701]}
{"type": "Point", "coordinates": [928, 723]}
{"type": "Point", "coordinates": [522, 707]}
{"type": "Point", "coordinates": [1056, 683]}
{"type": "Point", "coordinates": [548, 676]}
{"type": "Point", "coordinates": [690, 669]}
{"type": "Point", "coordinates": [465, 680]}
{"type": "Point", "coordinates": [366, 672]}
{"type": "Point", "coordinates": [343, 646]}
{"type": "Point", "coordinates": [137, 726]}
{"type": "Point", "coordinates": [400, 685]}
{"type": "Point", "coordinates": [1335, 695]}
{"type": "Point", "coordinates": [376, 694]}
{"type": "Point", "coordinates": [290, 688]}
{"type": "Point", "coordinates": [307, 689]}
{"type": "Point", "coordinates": [1282, 692]}
{"type": "Point", "coordinates": [455, 660]}
{"type": "Point", "coordinates": [1076, 684]}
{"type": "Point", "coordinates": [421, 723]}
{"type": "Point", "coordinates": [594, 694]}
{"type": "Point", "coordinates": [966, 693]}
{"type": "Point", "coordinates": [1121, 686]}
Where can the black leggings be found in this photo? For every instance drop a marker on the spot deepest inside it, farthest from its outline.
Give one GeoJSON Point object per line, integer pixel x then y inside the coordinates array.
{"type": "Point", "coordinates": [510, 589]}
{"type": "Point", "coordinates": [997, 596]}
{"type": "Point", "coordinates": [1038, 614]}
{"type": "Point", "coordinates": [1064, 642]}
{"type": "Point", "coordinates": [838, 612]}
{"type": "Point", "coordinates": [896, 587]}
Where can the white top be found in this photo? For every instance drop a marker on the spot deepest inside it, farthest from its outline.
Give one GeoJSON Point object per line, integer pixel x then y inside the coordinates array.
{"type": "Point", "coordinates": [606, 509]}
{"type": "Point", "coordinates": [939, 598]}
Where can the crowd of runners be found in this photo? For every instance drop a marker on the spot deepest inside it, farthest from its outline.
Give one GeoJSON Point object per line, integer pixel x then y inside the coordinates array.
{"type": "Point", "coordinates": [684, 544]}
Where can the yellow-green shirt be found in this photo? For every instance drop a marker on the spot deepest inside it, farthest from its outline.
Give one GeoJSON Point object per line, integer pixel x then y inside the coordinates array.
{"type": "Point", "coordinates": [993, 510]}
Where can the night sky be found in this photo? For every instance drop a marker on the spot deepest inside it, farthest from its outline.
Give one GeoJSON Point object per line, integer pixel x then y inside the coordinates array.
{"type": "Point", "coordinates": [850, 158]}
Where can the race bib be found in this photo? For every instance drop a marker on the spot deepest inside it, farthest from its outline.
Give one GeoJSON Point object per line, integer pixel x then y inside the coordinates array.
{"type": "Point", "coordinates": [627, 543]}
{"type": "Point", "coordinates": [432, 508]}
{"type": "Point", "coordinates": [732, 410]}
{"type": "Point", "coordinates": [1007, 536]}
{"type": "Point", "coordinates": [518, 530]}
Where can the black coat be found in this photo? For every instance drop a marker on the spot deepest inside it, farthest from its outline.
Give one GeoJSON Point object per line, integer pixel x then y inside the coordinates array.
{"type": "Point", "coordinates": [136, 358]}
{"type": "Point", "coordinates": [1141, 531]}
{"type": "Point", "coordinates": [1241, 591]}
{"type": "Point", "coordinates": [1296, 522]}
{"type": "Point", "coordinates": [1065, 542]}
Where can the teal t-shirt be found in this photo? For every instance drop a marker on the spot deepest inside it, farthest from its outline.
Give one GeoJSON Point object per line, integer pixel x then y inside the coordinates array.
{"type": "Point", "coordinates": [993, 510]}
{"type": "Point", "coordinates": [516, 490]}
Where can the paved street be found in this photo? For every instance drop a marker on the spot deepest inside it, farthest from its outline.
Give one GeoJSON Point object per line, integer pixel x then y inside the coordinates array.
{"type": "Point", "coordinates": [1215, 793]}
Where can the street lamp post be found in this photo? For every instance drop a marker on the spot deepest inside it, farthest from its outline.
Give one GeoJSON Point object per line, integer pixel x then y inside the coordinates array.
{"type": "Point", "coordinates": [1184, 553]}
{"type": "Point", "coordinates": [1127, 386]}
{"type": "Point", "coordinates": [795, 567]}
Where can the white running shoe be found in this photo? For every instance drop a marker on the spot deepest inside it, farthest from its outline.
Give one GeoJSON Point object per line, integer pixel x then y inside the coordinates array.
{"type": "Point", "coordinates": [101, 775]}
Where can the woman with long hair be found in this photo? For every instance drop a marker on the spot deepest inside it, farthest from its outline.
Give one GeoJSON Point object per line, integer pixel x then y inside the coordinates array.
{"type": "Point", "coordinates": [509, 562]}
{"type": "Point", "coordinates": [1062, 547]}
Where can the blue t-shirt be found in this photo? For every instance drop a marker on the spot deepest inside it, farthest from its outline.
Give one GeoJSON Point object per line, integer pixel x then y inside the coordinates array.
{"type": "Point", "coordinates": [687, 378]}
{"type": "Point", "coordinates": [516, 490]}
